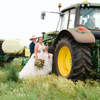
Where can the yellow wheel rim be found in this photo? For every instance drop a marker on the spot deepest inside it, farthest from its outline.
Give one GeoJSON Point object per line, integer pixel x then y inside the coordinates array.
{"type": "Point", "coordinates": [64, 61]}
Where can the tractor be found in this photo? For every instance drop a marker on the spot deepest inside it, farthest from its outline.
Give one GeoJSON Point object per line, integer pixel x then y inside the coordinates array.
{"type": "Point", "coordinates": [76, 45]}
{"type": "Point", "coordinates": [10, 49]}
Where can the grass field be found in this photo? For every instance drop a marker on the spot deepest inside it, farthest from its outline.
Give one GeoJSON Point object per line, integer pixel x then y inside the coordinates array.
{"type": "Point", "coordinates": [44, 87]}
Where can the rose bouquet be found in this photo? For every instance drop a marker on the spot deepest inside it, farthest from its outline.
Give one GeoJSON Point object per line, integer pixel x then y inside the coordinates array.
{"type": "Point", "coordinates": [39, 63]}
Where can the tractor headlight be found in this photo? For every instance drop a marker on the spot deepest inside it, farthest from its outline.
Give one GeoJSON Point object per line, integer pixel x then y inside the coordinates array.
{"type": "Point", "coordinates": [82, 5]}
{"type": "Point", "coordinates": [85, 5]}
{"type": "Point", "coordinates": [88, 5]}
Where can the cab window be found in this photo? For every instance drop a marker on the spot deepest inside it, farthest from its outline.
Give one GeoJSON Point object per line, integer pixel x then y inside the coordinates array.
{"type": "Point", "coordinates": [72, 18]}
{"type": "Point", "coordinates": [90, 18]}
{"type": "Point", "coordinates": [64, 20]}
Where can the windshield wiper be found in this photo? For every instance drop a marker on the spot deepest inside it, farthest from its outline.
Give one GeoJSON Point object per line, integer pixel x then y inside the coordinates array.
{"type": "Point", "coordinates": [88, 13]}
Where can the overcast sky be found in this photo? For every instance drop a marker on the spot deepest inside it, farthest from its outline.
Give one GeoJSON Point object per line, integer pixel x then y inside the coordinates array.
{"type": "Point", "coordinates": [20, 19]}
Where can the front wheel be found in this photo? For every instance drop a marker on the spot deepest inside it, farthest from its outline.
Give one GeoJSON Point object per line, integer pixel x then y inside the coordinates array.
{"type": "Point", "coordinates": [72, 60]}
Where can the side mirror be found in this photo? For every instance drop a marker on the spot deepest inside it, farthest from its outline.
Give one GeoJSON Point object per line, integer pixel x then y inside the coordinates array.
{"type": "Point", "coordinates": [43, 15]}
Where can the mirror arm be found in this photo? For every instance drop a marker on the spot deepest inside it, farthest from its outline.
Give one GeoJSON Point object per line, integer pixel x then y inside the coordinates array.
{"type": "Point", "coordinates": [52, 12]}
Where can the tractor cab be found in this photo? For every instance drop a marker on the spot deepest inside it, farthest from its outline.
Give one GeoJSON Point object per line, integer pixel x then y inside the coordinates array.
{"type": "Point", "coordinates": [76, 47]}
{"type": "Point", "coordinates": [82, 14]}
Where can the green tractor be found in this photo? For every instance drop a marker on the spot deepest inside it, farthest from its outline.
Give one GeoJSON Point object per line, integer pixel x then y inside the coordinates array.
{"type": "Point", "coordinates": [76, 46]}
{"type": "Point", "coordinates": [10, 49]}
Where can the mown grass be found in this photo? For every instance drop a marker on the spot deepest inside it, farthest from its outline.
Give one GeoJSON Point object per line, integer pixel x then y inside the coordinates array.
{"type": "Point", "coordinates": [44, 87]}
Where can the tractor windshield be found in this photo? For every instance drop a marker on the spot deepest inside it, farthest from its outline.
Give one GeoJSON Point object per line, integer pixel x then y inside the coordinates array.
{"type": "Point", "coordinates": [90, 18]}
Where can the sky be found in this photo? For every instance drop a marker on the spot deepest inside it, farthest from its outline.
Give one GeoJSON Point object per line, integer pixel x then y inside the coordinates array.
{"type": "Point", "coordinates": [20, 19]}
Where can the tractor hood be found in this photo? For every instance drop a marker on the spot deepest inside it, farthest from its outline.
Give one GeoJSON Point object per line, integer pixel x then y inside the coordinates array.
{"type": "Point", "coordinates": [46, 36]}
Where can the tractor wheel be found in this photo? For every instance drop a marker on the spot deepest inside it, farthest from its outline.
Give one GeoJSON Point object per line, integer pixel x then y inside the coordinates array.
{"type": "Point", "coordinates": [72, 59]}
{"type": "Point", "coordinates": [51, 49]}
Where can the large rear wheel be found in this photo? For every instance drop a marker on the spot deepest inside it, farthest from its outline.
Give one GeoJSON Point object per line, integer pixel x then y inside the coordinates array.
{"type": "Point", "coordinates": [72, 60]}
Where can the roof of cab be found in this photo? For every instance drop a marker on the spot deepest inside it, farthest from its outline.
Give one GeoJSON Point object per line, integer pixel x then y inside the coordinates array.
{"type": "Point", "coordinates": [2, 40]}
{"type": "Point", "coordinates": [78, 5]}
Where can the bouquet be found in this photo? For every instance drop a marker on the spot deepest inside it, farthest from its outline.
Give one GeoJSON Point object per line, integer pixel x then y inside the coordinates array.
{"type": "Point", "coordinates": [39, 63]}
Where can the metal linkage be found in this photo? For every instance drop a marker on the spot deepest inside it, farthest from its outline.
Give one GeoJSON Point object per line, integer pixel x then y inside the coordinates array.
{"type": "Point", "coordinates": [95, 56]}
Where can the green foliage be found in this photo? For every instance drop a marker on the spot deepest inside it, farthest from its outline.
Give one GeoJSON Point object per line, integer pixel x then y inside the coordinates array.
{"type": "Point", "coordinates": [9, 72]}
{"type": "Point", "coordinates": [12, 72]}
{"type": "Point", "coordinates": [95, 75]}
{"type": "Point", "coordinates": [49, 87]}
{"type": "Point", "coordinates": [2, 76]}
{"type": "Point", "coordinates": [18, 63]}
{"type": "Point", "coordinates": [44, 87]}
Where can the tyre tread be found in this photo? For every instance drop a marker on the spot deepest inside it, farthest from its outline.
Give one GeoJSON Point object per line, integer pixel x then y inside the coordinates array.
{"type": "Point", "coordinates": [82, 59]}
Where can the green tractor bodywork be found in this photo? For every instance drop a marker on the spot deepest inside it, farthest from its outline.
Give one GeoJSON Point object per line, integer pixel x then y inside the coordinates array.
{"type": "Point", "coordinates": [96, 56]}
{"type": "Point", "coordinates": [48, 40]}
{"type": "Point", "coordinates": [80, 36]}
